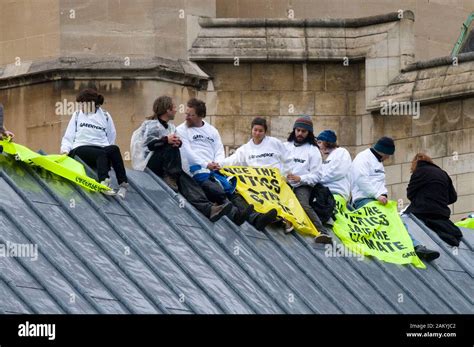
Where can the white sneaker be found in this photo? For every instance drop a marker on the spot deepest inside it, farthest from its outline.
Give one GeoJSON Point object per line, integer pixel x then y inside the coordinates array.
{"type": "Point", "coordinates": [288, 227]}
{"type": "Point", "coordinates": [107, 183]}
{"type": "Point", "coordinates": [123, 190]}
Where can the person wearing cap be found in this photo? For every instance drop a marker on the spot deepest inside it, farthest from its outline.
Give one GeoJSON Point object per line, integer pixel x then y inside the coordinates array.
{"type": "Point", "coordinates": [3, 132]}
{"type": "Point", "coordinates": [367, 177]}
{"type": "Point", "coordinates": [336, 164]}
{"type": "Point", "coordinates": [305, 166]}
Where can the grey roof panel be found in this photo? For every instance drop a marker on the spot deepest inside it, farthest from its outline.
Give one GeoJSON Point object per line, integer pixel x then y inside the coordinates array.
{"type": "Point", "coordinates": [153, 254]}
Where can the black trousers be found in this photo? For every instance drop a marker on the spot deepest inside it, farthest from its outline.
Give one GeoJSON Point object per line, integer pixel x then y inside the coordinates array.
{"type": "Point", "coordinates": [102, 159]}
{"type": "Point", "coordinates": [214, 191]}
{"type": "Point", "coordinates": [442, 225]}
{"type": "Point", "coordinates": [194, 194]}
{"type": "Point", "coordinates": [166, 161]}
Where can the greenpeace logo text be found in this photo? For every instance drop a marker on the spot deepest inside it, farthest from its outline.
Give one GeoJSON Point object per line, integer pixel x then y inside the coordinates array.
{"type": "Point", "coordinates": [37, 330]}
{"type": "Point", "coordinates": [263, 155]}
{"type": "Point", "coordinates": [92, 126]}
{"type": "Point", "coordinates": [297, 160]}
{"type": "Point", "coordinates": [202, 138]}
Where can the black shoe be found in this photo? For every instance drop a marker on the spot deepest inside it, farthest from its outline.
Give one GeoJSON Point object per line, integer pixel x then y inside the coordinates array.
{"type": "Point", "coordinates": [264, 219]}
{"type": "Point", "coordinates": [426, 254]}
{"type": "Point", "coordinates": [324, 236]}
{"type": "Point", "coordinates": [241, 216]}
{"type": "Point", "coordinates": [219, 211]}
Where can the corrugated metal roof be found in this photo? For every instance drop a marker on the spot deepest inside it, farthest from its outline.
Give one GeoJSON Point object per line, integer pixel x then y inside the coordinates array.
{"type": "Point", "coordinates": [153, 254]}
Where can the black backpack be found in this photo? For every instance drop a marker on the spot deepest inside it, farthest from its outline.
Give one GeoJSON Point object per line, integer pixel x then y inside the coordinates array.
{"type": "Point", "coordinates": [322, 202]}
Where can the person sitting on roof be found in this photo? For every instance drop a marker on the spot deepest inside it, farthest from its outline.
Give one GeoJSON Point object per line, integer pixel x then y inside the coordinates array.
{"type": "Point", "coordinates": [306, 164]}
{"type": "Point", "coordinates": [3, 132]}
{"type": "Point", "coordinates": [90, 135]}
{"type": "Point", "coordinates": [334, 173]}
{"type": "Point", "coordinates": [430, 191]}
{"type": "Point", "coordinates": [160, 151]}
{"type": "Point", "coordinates": [201, 151]}
{"type": "Point", "coordinates": [260, 151]}
{"type": "Point", "coordinates": [367, 177]}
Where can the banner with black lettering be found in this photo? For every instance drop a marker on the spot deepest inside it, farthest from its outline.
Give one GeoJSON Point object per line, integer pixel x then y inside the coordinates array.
{"type": "Point", "coordinates": [265, 190]}
{"type": "Point", "coordinates": [376, 230]}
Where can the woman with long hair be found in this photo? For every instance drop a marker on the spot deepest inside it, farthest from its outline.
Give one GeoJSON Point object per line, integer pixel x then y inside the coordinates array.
{"type": "Point", "coordinates": [430, 191]}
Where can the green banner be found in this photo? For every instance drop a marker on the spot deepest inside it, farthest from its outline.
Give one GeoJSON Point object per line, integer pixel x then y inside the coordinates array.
{"type": "Point", "coordinates": [61, 165]}
{"type": "Point", "coordinates": [466, 223]}
{"type": "Point", "coordinates": [376, 230]}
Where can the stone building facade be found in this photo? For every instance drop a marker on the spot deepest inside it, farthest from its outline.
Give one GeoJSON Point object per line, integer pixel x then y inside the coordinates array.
{"type": "Point", "coordinates": [340, 71]}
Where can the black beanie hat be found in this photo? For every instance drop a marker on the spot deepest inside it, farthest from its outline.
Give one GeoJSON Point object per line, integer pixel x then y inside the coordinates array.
{"type": "Point", "coordinates": [385, 145]}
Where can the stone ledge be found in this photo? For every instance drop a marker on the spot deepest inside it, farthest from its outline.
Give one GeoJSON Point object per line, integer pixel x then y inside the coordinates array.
{"type": "Point", "coordinates": [430, 81]}
{"type": "Point", "coordinates": [440, 61]}
{"type": "Point", "coordinates": [206, 22]}
{"type": "Point", "coordinates": [107, 67]}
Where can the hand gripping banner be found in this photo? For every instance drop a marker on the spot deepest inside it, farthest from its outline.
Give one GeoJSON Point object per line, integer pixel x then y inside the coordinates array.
{"type": "Point", "coordinates": [375, 230]}
{"type": "Point", "coordinates": [61, 165]}
{"type": "Point", "coordinates": [265, 190]}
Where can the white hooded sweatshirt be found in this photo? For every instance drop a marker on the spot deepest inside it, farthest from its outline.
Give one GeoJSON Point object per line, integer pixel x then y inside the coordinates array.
{"type": "Point", "coordinates": [90, 129]}
{"type": "Point", "coordinates": [200, 146]}
{"type": "Point", "coordinates": [367, 176]}
{"type": "Point", "coordinates": [269, 153]}
{"type": "Point", "coordinates": [305, 161]}
{"type": "Point", "coordinates": [334, 173]}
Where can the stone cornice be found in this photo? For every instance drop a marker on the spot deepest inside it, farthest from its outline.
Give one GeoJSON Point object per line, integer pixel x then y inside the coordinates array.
{"type": "Point", "coordinates": [385, 42]}
{"type": "Point", "coordinates": [107, 67]}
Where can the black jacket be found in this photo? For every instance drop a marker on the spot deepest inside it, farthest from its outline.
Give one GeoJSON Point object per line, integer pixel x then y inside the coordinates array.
{"type": "Point", "coordinates": [430, 190]}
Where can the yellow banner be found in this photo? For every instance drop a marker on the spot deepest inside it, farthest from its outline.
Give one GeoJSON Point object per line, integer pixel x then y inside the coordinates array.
{"type": "Point", "coordinates": [61, 165]}
{"type": "Point", "coordinates": [466, 223]}
{"type": "Point", "coordinates": [265, 190]}
{"type": "Point", "coordinates": [375, 230]}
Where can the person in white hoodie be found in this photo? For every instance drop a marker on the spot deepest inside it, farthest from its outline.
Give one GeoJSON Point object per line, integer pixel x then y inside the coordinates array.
{"type": "Point", "coordinates": [260, 151]}
{"type": "Point", "coordinates": [158, 149]}
{"type": "Point", "coordinates": [305, 166]}
{"type": "Point", "coordinates": [367, 178]}
{"type": "Point", "coordinates": [201, 152]}
{"type": "Point", "coordinates": [334, 173]}
{"type": "Point", "coordinates": [90, 135]}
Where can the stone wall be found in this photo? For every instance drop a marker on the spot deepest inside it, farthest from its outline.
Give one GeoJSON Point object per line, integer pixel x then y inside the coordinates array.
{"type": "Point", "coordinates": [333, 93]}
{"type": "Point", "coordinates": [434, 37]}
{"type": "Point", "coordinates": [41, 29]}
{"type": "Point", "coordinates": [28, 30]}
{"type": "Point", "coordinates": [128, 102]}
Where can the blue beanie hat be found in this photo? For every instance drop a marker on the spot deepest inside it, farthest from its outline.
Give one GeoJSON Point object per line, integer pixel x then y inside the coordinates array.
{"type": "Point", "coordinates": [385, 145]}
{"type": "Point", "coordinates": [304, 122]}
{"type": "Point", "coordinates": [328, 136]}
